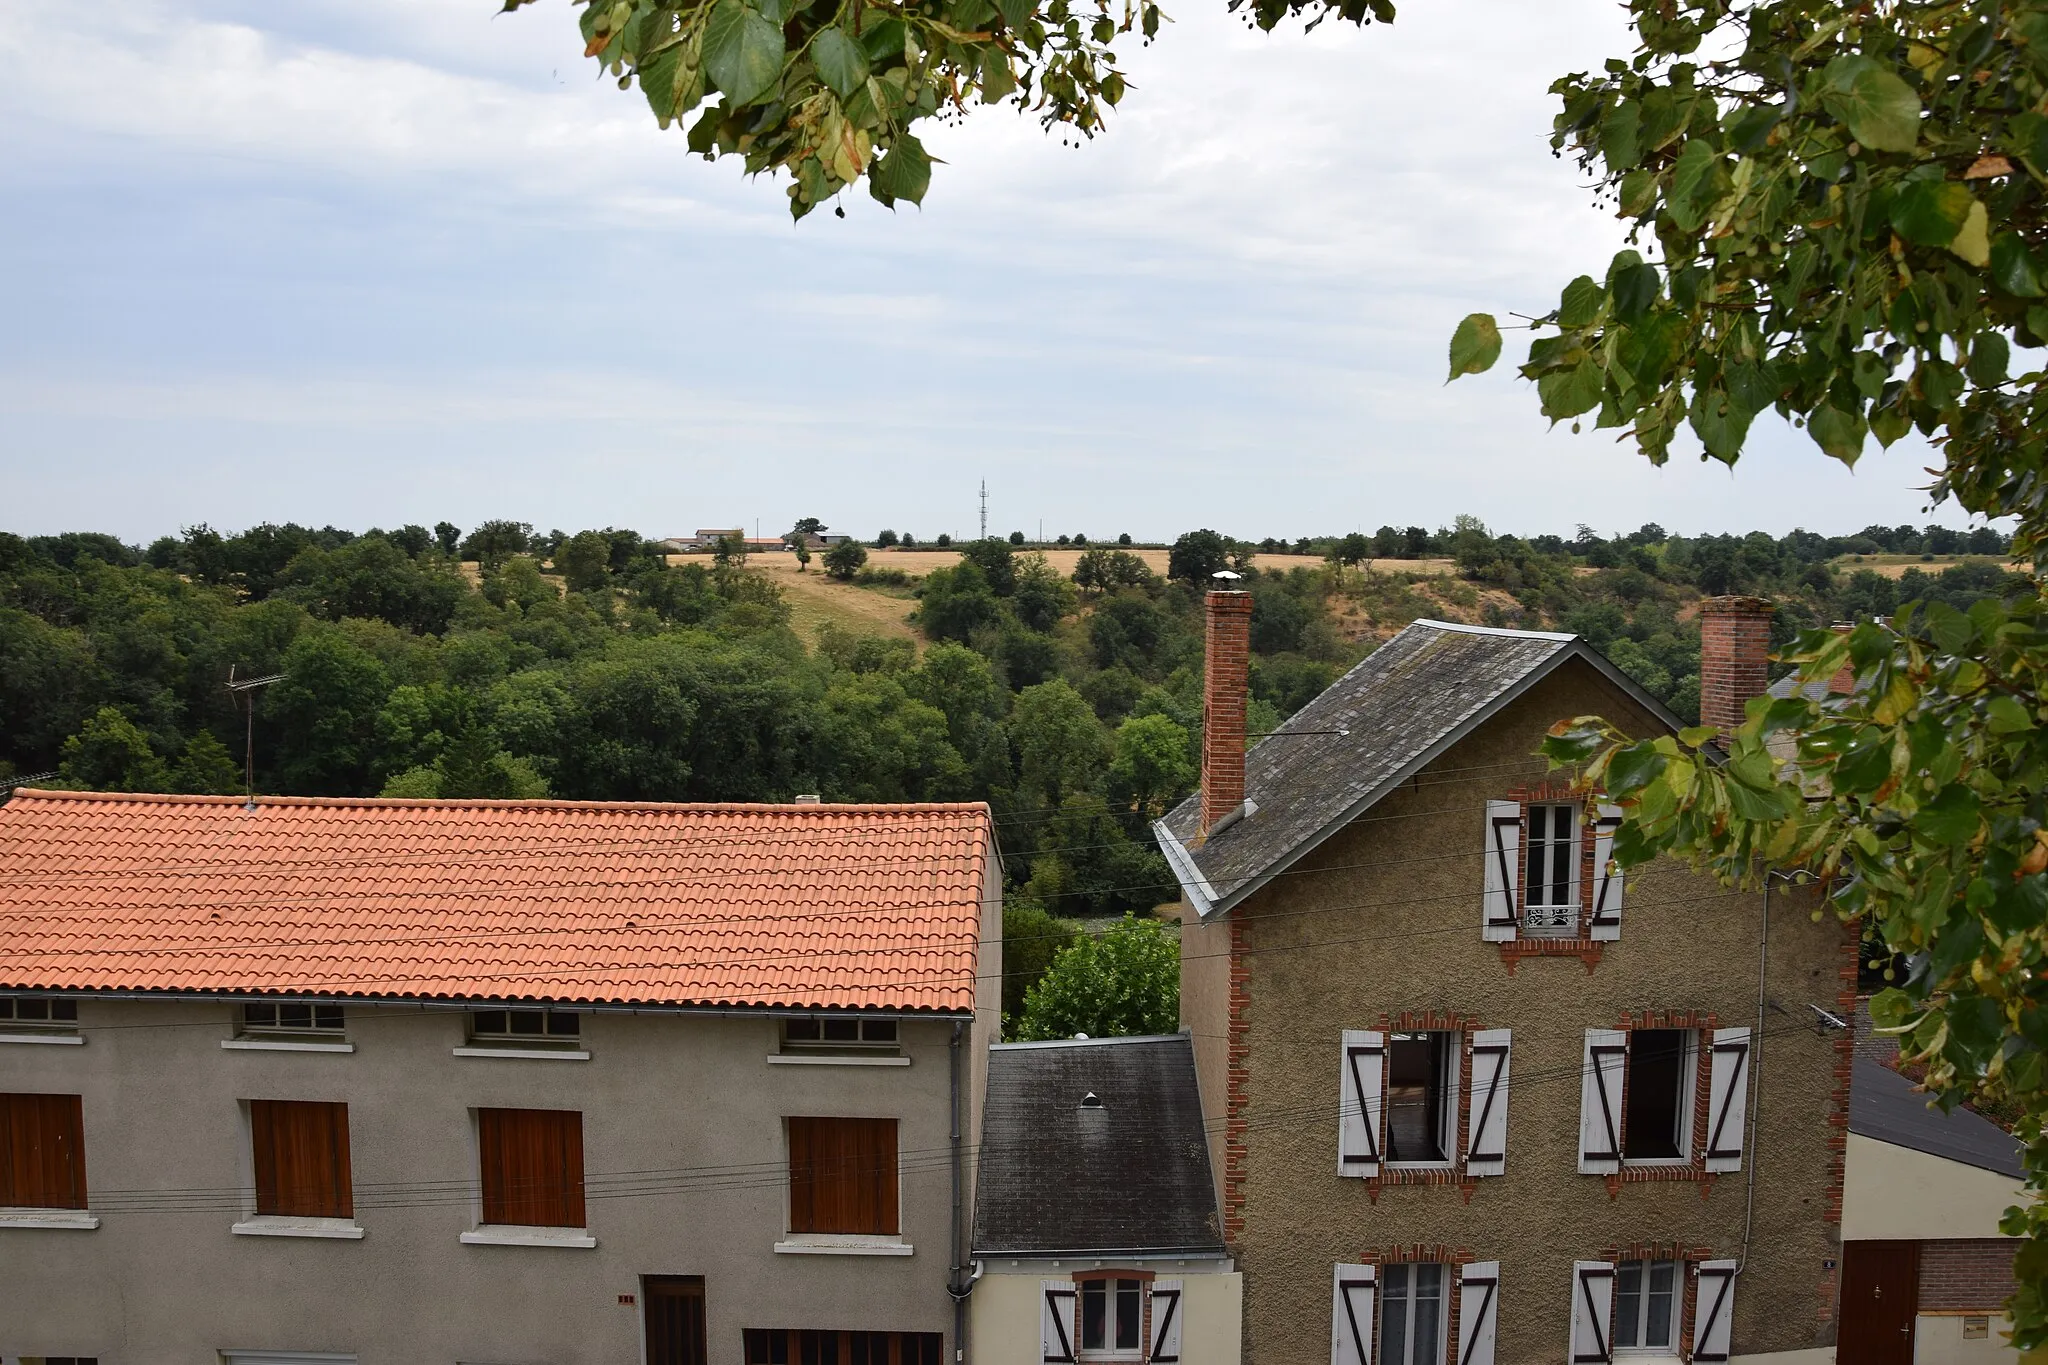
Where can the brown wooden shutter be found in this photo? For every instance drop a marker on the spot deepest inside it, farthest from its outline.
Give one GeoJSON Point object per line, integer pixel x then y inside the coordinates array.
{"type": "Point", "coordinates": [531, 1164]}
{"type": "Point", "coordinates": [301, 1157]}
{"type": "Point", "coordinates": [42, 1151]}
{"type": "Point", "coordinates": [842, 1176]}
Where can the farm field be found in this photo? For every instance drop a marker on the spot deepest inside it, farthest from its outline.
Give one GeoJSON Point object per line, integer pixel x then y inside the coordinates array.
{"type": "Point", "coordinates": [1895, 566]}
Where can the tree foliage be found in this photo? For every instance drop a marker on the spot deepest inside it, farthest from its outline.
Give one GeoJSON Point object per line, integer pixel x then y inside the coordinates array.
{"type": "Point", "coordinates": [1123, 982]}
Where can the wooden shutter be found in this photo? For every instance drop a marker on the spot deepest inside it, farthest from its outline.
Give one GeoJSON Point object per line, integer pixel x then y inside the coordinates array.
{"type": "Point", "coordinates": [1605, 922]}
{"type": "Point", "coordinates": [1166, 1322]}
{"type": "Point", "coordinates": [1713, 1316]}
{"type": "Point", "coordinates": [1500, 909]}
{"type": "Point", "coordinates": [1600, 1101]}
{"type": "Point", "coordinates": [842, 1176]}
{"type": "Point", "coordinates": [1056, 1322]}
{"type": "Point", "coordinates": [42, 1151]}
{"type": "Point", "coordinates": [1487, 1113]}
{"type": "Point", "coordinates": [531, 1166]}
{"type": "Point", "coordinates": [1592, 1312]}
{"type": "Point", "coordinates": [1727, 1098]}
{"type": "Point", "coordinates": [1360, 1113]}
{"type": "Point", "coordinates": [1351, 1319]}
{"type": "Point", "coordinates": [1478, 1310]}
{"type": "Point", "coordinates": [301, 1158]}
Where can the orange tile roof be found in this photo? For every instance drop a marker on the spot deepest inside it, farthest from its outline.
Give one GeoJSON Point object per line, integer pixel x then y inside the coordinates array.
{"type": "Point", "coordinates": [805, 905]}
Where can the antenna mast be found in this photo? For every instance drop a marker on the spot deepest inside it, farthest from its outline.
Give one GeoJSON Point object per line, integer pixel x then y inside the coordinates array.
{"type": "Point", "coordinates": [984, 509]}
{"type": "Point", "coordinates": [245, 692]}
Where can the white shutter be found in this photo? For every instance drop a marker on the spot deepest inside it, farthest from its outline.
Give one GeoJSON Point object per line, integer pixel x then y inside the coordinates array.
{"type": "Point", "coordinates": [1600, 1101]}
{"type": "Point", "coordinates": [1592, 1312]}
{"type": "Point", "coordinates": [1056, 1322]}
{"type": "Point", "coordinates": [1488, 1153]}
{"type": "Point", "coordinates": [1713, 1316]}
{"type": "Point", "coordinates": [1359, 1115]}
{"type": "Point", "coordinates": [1165, 1322]}
{"type": "Point", "coordinates": [1503, 852]}
{"type": "Point", "coordinates": [1478, 1310]}
{"type": "Point", "coordinates": [1727, 1098]}
{"type": "Point", "coordinates": [1605, 921]}
{"type": "Point", "coordinates": [1351, 1315]}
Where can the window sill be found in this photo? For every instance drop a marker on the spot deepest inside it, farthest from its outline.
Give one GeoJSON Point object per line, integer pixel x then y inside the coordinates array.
{"type": "Point", "coordinates": [268, 1225]}
{"type": "Point", "coordinates": [69, 1038]}
{"type": "Point", "coordinates": [842, 1244]}
{"type": "Point", "coordinates": [511, 1235]}
{"type": "Point", "coordinates": [282, 1045]}
{"type": "Point", "coordinates": [541, 1054]}
{"type": "Point", "coordinates": [75, 1220]}
{"type": "Point", "coordinates": [832, 1059]}
{"type": "Point", "coordinates": [1420, 1165]}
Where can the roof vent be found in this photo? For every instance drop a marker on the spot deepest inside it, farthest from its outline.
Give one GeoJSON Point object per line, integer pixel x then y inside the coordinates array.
{"type": "Point", "coordinates": [810, 799]}
{"type": "Point", "coordinates": [1091, 1101]}
{"type": "Point", "coordinates": [1080, 1037]}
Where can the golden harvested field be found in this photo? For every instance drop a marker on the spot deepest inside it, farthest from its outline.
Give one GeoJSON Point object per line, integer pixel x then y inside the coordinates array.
{"type": "Point", "coordinates": [1895, 566]}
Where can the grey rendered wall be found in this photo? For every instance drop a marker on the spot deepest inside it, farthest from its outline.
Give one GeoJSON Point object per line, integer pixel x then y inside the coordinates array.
{"type": "Point", "coordinates": [690, 1094]}
{"type": "Point", "coordinates": [1385, 918]}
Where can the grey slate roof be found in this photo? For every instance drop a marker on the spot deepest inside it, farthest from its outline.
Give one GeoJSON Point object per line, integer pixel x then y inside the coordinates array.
{"type": "Point", "coordinates": [1405, 703]}
{"type": "Point", "coordinates": [1883, 1105]}
{"type": "Point", "coordinates": [1130, 1178]}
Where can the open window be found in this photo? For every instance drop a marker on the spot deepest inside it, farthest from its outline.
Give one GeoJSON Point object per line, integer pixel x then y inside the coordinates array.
{"type": "Point", "coordinates": [1402, 1105]}
{"type": "Point", "coordinates": [1658, 1089]}
{"type": "Point", "coordinates": [1422, 1098]}
{"type": "Point", "coordinates": [1642, 1092]}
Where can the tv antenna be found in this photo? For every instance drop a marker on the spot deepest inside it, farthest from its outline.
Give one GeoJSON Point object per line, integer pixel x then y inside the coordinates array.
{"type": "Point", "coordinates": [244, 691]}
{"type": "Point", "coordinates": [984, 509]}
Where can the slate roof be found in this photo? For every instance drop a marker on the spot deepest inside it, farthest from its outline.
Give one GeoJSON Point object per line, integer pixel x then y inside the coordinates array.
{"type": "Point", "coordinates": [1402, 705]}
{"type": "Point", "coordinates": [1885, 1106]}
{"type": "Point", "coordinates": [801, 905]}
{"type": "Point", "coordinates": [1129, 1178]}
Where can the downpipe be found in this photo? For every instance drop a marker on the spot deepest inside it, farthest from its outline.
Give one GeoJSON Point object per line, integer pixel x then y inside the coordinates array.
{"type": "Point", "coordinates": [958, 1285]}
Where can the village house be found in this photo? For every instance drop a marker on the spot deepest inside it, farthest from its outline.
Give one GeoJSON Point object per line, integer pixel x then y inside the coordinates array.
{"type": "Point", "coordinates": [1473, 1095]}
{"type": "Point", "coordinates": [1096, 1234]}
{"type": "Point", "coordinates": [405, 1081]}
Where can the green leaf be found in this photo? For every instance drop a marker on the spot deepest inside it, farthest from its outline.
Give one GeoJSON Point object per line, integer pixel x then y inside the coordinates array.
{"type": "Point", "coordinates": [1881, 110]}
{"type": "Point", "coordinates": [1973, 241]}
{"type": "Point", "coordinates": [1475, 346]}
{"type": "Point", "coordinates": [1633, 288]}
{"type": "Point", "coordinates": [1866, 763]}
{"type": "Point", "coordinates": [1989, 357]}
{"type": "Point", "coordinates": [1618, 135]}
{"type": "Point", "coordinates": [997, 80]}
{"type": "Point", "coordinates": [1632, 768]}
{"type": "Point", "coordinates": [2030, 139]}
{"type": "Point", "coordinates": [840, 62]}
{"type": "Point", "coordinates": [1692, 184]}
{"type": "Point", "coordinates": [1952, 817]}
{"type": "Point", "coordinates": [1567, 393]}
{"type": "Point", "coordinates": [1720, 422]}
{"type": "Point", "coordinates": [1891, 1008]}
{"type": "Point", "coordinates": [2007, 715]}
{"type": "Point", "coordinates": [2013, 268]}
{"type": "Point", "coordinates": [742, 52]}
{"type": "Point", "coordinates": [1017, 13]}
{"type": "Point", "coordinates": [1931, 212]}
{"type": "Point", "coordinates": [1839, 433]}
{"type": "Point", "coordinates": [904, 173]}
{"type": "Point", "coordinates": [1580, 302]}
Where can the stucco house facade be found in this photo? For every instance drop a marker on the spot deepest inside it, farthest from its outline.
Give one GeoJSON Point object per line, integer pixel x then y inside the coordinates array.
{"type": "Point", "coordinates": [1472, 1095]}
{"type": "Point", "coordinates": [505, 1082]}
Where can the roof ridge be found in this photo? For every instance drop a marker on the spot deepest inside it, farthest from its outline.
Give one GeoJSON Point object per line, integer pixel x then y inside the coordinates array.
{"type": "Point", "coordinates": [496, 803]}
{"type": "Point", "coordinates": [1492, 630]}
{"type": "Point", "coordinates": [1091, 1042]}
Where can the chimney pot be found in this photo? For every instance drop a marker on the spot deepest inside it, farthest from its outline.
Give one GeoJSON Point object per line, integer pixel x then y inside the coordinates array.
{"type": "Point", "coordinates": [1226, 679]}
{"type": "Point", "coordinates": [1735, 657]}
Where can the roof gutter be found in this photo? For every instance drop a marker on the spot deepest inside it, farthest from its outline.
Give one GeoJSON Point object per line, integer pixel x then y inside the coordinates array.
{"type": "Point", "coordinates": [1193, 884]}
{"type": "Point", "coordinates": [466, 1002]}
{"type": "Point", "coordinates": [1104, 1254]}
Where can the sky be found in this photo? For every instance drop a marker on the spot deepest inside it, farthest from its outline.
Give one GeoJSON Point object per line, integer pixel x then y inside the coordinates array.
{"type": "Point", "coordinates": [370, 262]}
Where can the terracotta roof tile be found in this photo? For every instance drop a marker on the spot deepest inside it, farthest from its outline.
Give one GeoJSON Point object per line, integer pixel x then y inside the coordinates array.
{"type": "Point", "coordinates": [808, 905]}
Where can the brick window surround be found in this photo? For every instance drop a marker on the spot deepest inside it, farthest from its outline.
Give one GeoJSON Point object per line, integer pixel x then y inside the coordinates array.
{"type": "Point", "coordinates": [1144, 1277]}
{"type": "Point", "coordinates": [1688, 1257]}
{"type": "Point", "coordinates": [1556, 791]}
{"type": "Point", "coordinates": [1450, 1258]}
{"type": "Point", "coordinates": [1702, 1026]}
{"type": "Point", "coordinates": [1452, 1174]}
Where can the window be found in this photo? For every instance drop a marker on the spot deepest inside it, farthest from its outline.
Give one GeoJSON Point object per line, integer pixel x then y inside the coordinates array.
{"type": "Point", "coordinates": [531, 1166]}
{"type": "Point", "coordinates": [1421, 1098]}
{"type": "Point", "coordinates": [1646, 1306]}
{"type": "Point", "coordinates": [842, 1176]}
{"type": "Point", "coordinates": [526, 1026]}
{"type": "Point", "coordinates": [1112, 1315]}
{"type": "Point", "coordinates": [42, 1152]}
{"type": "Point", "coordinates": [1658, 1089]}
{"type": "Point", "coordinates": [38, 1014]}
{"type": "Point", "coordinates": [1550, 879]}
{"type": "Point", "coordinates": [1412, 1314]}
{"type": "Point", "coordinates": [673, 1317]}
{"type": "Point", "coordinates": [827, 1032]}
{"type": "Point", "coordinates": [804, 1346]}
{"type": "Point", "coordinates": [299, 1017]}
{"type": "Point", "coordinates": [301, 1159]}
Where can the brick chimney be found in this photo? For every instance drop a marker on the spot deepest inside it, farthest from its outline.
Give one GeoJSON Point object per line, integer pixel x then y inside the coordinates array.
{"type": "Point", "coordinates": [1735, 647]}
{"type": "Point", "coordinates": [1226, 681]}
{"type": "Point", "coordinates": [1844, 680]}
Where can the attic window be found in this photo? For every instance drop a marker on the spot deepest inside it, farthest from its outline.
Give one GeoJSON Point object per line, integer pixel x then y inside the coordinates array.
{"type": "Point", "coordinates": [274, 1017]}
{"type": "Point", "coordinates": [38, 1014]}
{"type": "Point", "coordinates": [1091, 1101]}
{"type": "Point", "coordinates": [839, 1033]}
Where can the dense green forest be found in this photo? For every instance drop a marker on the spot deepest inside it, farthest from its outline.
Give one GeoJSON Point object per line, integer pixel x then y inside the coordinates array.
{"type": "Point", "coordinates": [504, 664]}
